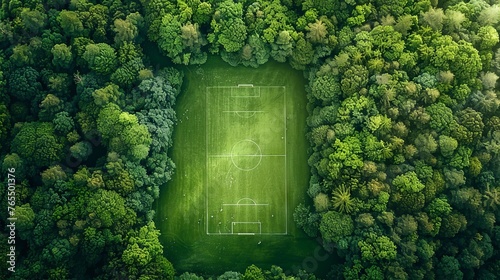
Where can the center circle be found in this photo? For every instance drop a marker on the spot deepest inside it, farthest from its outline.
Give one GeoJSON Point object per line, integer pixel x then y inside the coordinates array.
{"type": "Point", "coordinates": [246, 155]}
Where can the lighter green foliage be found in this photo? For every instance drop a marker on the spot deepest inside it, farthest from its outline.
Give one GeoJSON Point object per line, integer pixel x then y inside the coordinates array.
{"type": "Point", "coordinates": [53, 174]}
{"type": "Point", "coordinates": [321, 202]}
{"type": "Point", "coordinates": [143, 247]}
{"type": "Point", "coordinates": [50, 102]}
{"type": "Point", "coordinates": [230, 30]}
{"type": "Point", "coordinates": [108, 94]}
{"type": "Point", "coordinates": [376, 150]}
{"type": "Point", "coordinates": [446, 77]}
{"type": "Point", "coordinates": [62, 55]}
{"type": "Point", "coordinates": [487, 37]}
{"type": "Point", "coordinates": [434, 18]}
{"type": "Point", "coordinates": [377, 248]}
{"type": "Point", "coordinates": [408, 182]}
{"type": "Point", "coordinates": [379, 124]}
{"type": "Point", "coordinates": [341, 200]}
{"type": "Point", "coordinates": [316, 31]}
{"type": "Point", "coordinates": [127, 30]}
{"type": "Point", "coordinates": [347, 154]}
{"type": "Point", "coordinates": [447, 145]}
{"type": "Point", "coordinates": [439, 207]}
{"type": "Point", "coordinates": [387, 20]}
{"type": "Point", "coordinates": [123, 131]}
{"type": "Point", "coordinates": [190, 34]}
{"type": "Point", "coordinates": [12, 160]}
{"type": "Point", "coordinates": [405, 23]}
{"type": "Point", "coordinates": [491, 197]}
{"type": "Point", "coordinates": [489, 80]}
{"type": "Point", "coordinates": [365, 220]}
{"type": "Point", "coordinates": [388, 41]}
{"type": "Point", "coordinates": [253, 273]}
{"type": "Point", "coordinates": [490, 15]}
{"type": "Point", "coordinates": [22, 55]}
{"type": "Point", "coordinates": [454, 20]}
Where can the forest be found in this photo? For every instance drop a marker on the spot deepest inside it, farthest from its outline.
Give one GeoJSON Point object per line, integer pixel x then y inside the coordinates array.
{"type": "Point", "coordinates": [404, 130]}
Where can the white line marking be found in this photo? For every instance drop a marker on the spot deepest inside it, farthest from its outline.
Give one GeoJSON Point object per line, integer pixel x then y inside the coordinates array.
{"type": "Point", "coordinates": [246, 198]}
{"type": "Point", "coordinates": [246, 204]}
{"type": "Point", "coordinates": [254, 87]}
{"type": "Point", "coordinates": [222, 156]}
{"type": "Point", "coordinates": [243, 112]}
{"type": "Point", "coordinates": [286, 179]}
{"type": "Point", "coordinates": [206, 154]}
{"type": "Point", "coordinates": [265, 233]}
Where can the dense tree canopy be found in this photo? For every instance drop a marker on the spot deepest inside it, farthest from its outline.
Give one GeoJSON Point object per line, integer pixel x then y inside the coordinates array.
{"type": "Point", "coordinates": [403, 125]}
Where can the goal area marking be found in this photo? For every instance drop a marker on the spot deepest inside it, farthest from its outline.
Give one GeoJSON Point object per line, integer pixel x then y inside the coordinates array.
{"type": "Point", "coordinates": [246, 233]}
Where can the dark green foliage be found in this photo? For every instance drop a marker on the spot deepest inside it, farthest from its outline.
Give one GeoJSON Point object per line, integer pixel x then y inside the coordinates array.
{"type": "Point", "coordinates": [23, 83]}
{"type": "Point", "coordinates": [100, 57]}
{"type": "Point", "coordinates": [63, 123]}
{"type": "Point", "coordinates": [336, 226]}
{"type": "Point", "coordinates": [36, 143]}
{"type": "Point", "coordinates": [70, 23]}
{"type": "Point", "coordinates": [306, 220]}
{"type": "Point", "coordinates": [4, 123]}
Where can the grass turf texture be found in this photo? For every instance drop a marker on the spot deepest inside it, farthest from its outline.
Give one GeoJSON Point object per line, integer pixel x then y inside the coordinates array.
{"type": "Point", "coordinates": [230, 155]}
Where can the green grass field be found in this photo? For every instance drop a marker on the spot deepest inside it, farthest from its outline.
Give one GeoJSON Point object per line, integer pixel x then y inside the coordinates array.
{"type": "Point", "coordinates": [241, 157]}
{"type": "Point", "coordinates": [246, 186]}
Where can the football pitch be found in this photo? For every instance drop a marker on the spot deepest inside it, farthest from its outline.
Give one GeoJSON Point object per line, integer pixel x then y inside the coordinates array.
{"type": "Point", "coordinates": [240, 153]}
{"type": "Point", "coordinates": [246, 182]}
